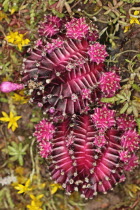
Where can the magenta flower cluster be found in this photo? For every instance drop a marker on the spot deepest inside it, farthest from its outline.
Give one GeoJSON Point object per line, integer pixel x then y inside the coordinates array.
{"type": "Point", "coordinates": [89, 145]}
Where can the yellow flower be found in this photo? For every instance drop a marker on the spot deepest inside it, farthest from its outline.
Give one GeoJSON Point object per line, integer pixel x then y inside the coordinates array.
{"type": "Point", "coordinates": [133, 19]}
{"type": "Point", "coordinates": [17, 39]}
{"type": "Point", "coordinates": [55, 187]}
{"type": "Point", "coordinates": [35, 203]}
{"type": "Point", "coordinates": [13, 10]}
{"type": "Point", "coordinates": [19, 98]}
{"type": "Point", "coordinates": [126, 28]}
{"type": "Point", "coordinates": [11, 119]}
{"type": "Point", "coordinates": [33, 206]}
{"type": "Point", "coordinates": [2, 15]}
{"type": "Point", "coordinates": [24, 188]}
{"type": "Point", "coordinates": [136, 98]}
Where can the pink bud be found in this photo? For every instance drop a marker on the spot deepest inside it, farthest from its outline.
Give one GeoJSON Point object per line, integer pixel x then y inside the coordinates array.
{"type": "Point", "coordinates": [7, 87]}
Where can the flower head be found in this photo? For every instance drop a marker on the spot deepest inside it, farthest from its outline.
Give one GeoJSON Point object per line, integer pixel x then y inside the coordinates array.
{"type": "Point", "coordinates": [54, 187]}
{"type": "Point", "coordinates": [130, 140]}
{"type": "Point", "coordinates": [124, 156]}
{"type": "Point", "coordinates": [11, 119]}
{"type": "Point", "coordinates": [19, 98]}
{"type": "Point", "coordinates": [44, 131]}
{"type": "Point", "coordinates": [45, 149]}
{"type": "Point", "coordinates": [135, 19]}
{"type": "Point", "coordinates": [86, 93]}
{"type": "Point", "coordinates": [109, 83]}
{"type": "Point", "coordinates": [17, 39]}
{"type": "Point", "coordinates": [2, 15]}
{"type": "Point", "coordinates": [23, 188]}
{"type": "Point", "coordinates": [7, 87]}
{"type": "Point", "coordinates": [97, 53]}
{"type": "Point", "coordinates": [77, 28]}
{"type": "Point", "coordinates": [132, 163]}
{"type": "Point", "coordinates": [50, 26]}
{"type": "Point", "coordinates": [35, 202]}
{"type": "Point", "coordinates": [103, 118]}
{"type": "Point", "coordinates": [56, 43]}
{"type": "Point", "coordinates": [100, 140]}
{"type": "Point", "coordinates": [126, 122]}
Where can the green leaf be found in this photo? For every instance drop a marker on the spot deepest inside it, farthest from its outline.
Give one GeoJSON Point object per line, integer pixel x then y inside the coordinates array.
{"type": "Point", "coordinates": [136, 87]}
{"type": "Point", "coordinates": [138, 124]}
{"type": "Point", "coordinates": [109, 100]}
{"type": "Point", "coordinates": [124, 108]}
{"type": "Point", "coordinates": [129, 110]}
{"type": "Point", "coordinates": [20, 160]}
{"type": "Point", "coordinates": [58, 14]}
{"type": "Point", "coordinates": [138, 56]}
{"type": "Point", "coordinates": [135, 111]}
{"type": "Point", "coordinates": [120, 96]}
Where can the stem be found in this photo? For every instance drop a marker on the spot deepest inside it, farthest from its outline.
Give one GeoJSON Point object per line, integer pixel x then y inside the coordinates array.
{"type": "Point", "coordinates": [117, 55]}
{"type": "Point", "coordinates": [32, 159]}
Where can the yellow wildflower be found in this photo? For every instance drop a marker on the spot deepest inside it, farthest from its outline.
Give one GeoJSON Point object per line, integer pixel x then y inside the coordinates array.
{"type": "Point", "coordinates": [23, 188]}
{"type": "Point", "coordinates": [137, 98]}
{"type": "Point", "coordinates": [11, 119]}
{"type": "Point", "coordinates": [133, 19]}
{"type": "Point", "coordinates": [19, 98]}
{"type": "Point", "coordinates": [35, 202]}
{"type": "Point", "coordinates": [13, 9]}
{"type": "Point", "coordinates": [17, 39]}
{"type": "Point", "coordinates": [2, 15]}
{"type": "Point", "coordinates": [33, 206]}
{"type": "Point", "coordinates": [19, 170]}
{"type": "Point", "coordinates": [126, 28]}
{"type": "Point", "coordinates": [55, 187]}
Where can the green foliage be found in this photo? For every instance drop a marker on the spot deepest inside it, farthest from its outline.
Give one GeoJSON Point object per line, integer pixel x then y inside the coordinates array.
{"type": "Point", "coordinates": [138, 124]}
{"type": "Point", "coordinates": [17, 151]}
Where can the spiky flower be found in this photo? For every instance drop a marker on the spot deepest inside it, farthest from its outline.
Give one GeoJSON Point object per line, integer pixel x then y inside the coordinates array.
{"type": "Point", "coordinates": [126, 122]}
{"type": "Point", "coordinates": [130, 140]}
{"type": "Point", "coordinates": [44, 131]}
{"type": "Point", "coordinates": [50, 26]}
{"type": "Point", "coordinates": [124, 156]}
{"type": "Point", "coordinates": [103, 118]}
{"type": "Point", "coordinates": [56, 43]}
{"type": "Point", "coordinates": [109, 83]}
{"type": "Point", "coordinates": [97, 53]}
{"type": "Point", "coordinates": [45, 148]}
{"type": "Point", "coordinates": [77, 28]}
{"type": "Point", "coordinates": [100, 140]}
{"type": "Point", "coordinates": [132, 163]}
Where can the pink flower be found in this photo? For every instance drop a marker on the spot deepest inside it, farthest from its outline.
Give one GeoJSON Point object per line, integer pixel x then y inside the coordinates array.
{"type": "Point", "coordinates": [97, 53]}
{"type": "Point", "coordinates": [57, 43]}
{"type": "Point", "coordinates": [103, 118]}
{"type": "Point", "coordinates": [132, 163]}
{"type": "Point", "coordinates": [130, 140]}
{"type": "Point", "coordinates": [50, 26]}
{"type": "Point", "coordinates": [7, 87]}
{"type": "Point", "coordinates": [100, 140]}
{"type": "Point", "coordinates": [124, 156]}
{"type": "Point", "coordinates": [45, 149]}
{"type": "Point", "coordinates": [44, 131]}
{"type": "Point", "coordinates": [109, 83]}
{"type": "Point", "coordinates": [39, 43]}
{"type": "Point", "coordinates": [86, 94]}
{"type": "Point", "coordinates": [77, 28]}
{"type": "Point", "coordinates": [126, 122]}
